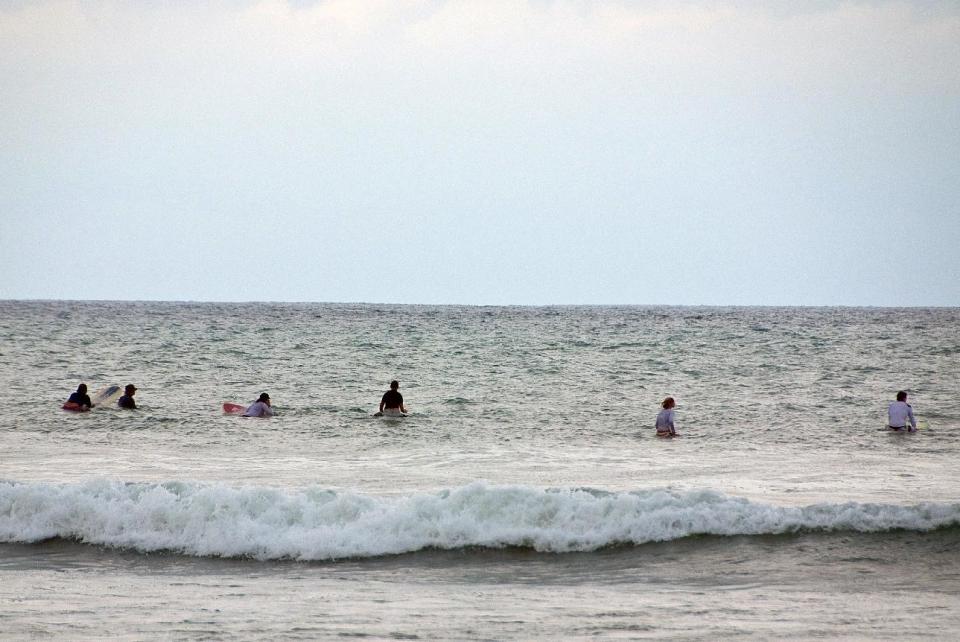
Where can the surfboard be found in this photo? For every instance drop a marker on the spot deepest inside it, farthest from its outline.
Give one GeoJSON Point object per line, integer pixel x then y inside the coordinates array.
{"type": "Point", "coordinates": [107, 395]}
{"type": "Point", "coordinates": [391, 414]}
{"type": "Point", "coordinates": [234, 409]}
{"type": "Point", "coordinates": [104, 397]}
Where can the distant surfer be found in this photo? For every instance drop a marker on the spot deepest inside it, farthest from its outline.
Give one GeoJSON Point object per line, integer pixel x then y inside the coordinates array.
{"type": "Point", "coordinates": [260, 408]}
{"type": "Point", "coordinates": [391, 404]}
{"type": "Point", "coordinates": [79, 400]}
{"type": "Point", "coordinates": [665, 419]}
{"type": "Point", "coordinates": [899, 413]}
{"type": "Point", "coordinates": [126, 401]}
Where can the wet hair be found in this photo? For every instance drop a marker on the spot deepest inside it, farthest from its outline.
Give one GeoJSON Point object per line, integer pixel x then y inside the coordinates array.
{"type": "Point", "coordinates": [901, 396]}
{"type": "Point", "coordinates": [668, 403]}
{"type": "Point", "coordinates": [82, 388]}
{"type": "Point", "coordinates": [394, 384]}
{"type": "Point", "coordinates": [264, 397]}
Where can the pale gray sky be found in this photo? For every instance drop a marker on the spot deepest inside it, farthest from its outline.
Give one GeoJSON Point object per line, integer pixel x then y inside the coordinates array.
{"type": "Point", "coordinates": [489, 152]}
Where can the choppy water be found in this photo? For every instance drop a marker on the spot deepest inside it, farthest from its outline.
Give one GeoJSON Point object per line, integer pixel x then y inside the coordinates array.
{"type": "Point", "coordinates": [525, 497]}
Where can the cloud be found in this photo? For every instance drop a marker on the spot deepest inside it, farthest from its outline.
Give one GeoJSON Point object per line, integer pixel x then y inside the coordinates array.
{"type": "Point", "coordinates": [559, 136]}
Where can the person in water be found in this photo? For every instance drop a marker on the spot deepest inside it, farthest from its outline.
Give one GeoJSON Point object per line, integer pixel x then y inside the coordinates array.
{"type": "Point", "coordinates": [79, 400]}
{"type": "Point", "coordinates": [260, 408]}
{"type": "Point", "coordinates": [665, 426]}
{"type": "Point", "coordinates": [392, 401]}
{"type": "Point", "coordinates": [126, 401]}
{"type": "Point", "coordinates": [899, 413]}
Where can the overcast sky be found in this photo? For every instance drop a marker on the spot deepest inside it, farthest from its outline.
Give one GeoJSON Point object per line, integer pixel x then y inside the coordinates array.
{"type": "Point", "coordinates": [486, 151]}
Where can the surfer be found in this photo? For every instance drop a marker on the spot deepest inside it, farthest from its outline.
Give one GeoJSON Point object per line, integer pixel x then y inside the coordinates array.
{"type": "Point", "coordinates": [260, 408]}
{"type": "Point", "coordinates": [665, 419]}
{"type": "Point", "coordinates": [392, 401]}
{"type": "Point", "coordinates": [79, 400]}
{"type": "Point", "coordinates": [899, 413]}
{"type": "Point", "coordinates": [126, 401]}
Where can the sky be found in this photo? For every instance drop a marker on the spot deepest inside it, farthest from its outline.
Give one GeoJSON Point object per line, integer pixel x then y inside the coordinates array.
{"type": "Point", "coordinates": [490, 152]}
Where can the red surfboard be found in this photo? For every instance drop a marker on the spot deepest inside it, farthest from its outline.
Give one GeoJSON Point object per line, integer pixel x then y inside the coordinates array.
{"type": "Point", "coordinates": [233, 408]}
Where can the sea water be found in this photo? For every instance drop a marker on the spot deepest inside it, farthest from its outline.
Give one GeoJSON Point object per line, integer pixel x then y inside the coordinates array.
{"type": "Point", "coordinates": [525, 497]}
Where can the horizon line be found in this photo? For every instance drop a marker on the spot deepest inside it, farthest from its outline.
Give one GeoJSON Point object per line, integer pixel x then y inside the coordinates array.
{"type": "Point", "coordinates": [488, 305]}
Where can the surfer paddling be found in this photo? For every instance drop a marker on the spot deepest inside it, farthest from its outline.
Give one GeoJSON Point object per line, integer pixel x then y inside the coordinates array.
{"type": "Point", "coordinates": [260, 408]}
{"type": "Point", "coordinates": [899, 413]}
{"type": "Point", "coordinates": [391, 404]}
{"type": "Point", "coordinates": [665, 419]}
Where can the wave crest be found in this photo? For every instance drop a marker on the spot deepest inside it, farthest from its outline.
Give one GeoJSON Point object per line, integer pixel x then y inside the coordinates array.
{"type": "Point", "coordinates": [321, 524]}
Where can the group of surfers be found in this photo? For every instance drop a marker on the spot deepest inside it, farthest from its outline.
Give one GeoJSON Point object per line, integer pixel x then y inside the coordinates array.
{"type": "Point", "coordinates": [391, 404]}
{"type": "Point", "coordinates": [899, 413]}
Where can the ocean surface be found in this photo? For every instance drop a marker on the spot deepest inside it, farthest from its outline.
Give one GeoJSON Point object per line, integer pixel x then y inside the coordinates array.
{"type": "Point", "coordinates": [525, 497]}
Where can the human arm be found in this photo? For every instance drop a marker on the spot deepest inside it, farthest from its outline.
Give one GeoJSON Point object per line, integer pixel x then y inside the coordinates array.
{"type": "Point", "coordinates": [913, 420]}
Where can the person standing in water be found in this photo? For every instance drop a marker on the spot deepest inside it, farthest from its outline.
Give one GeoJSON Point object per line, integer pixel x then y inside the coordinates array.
{"type": "Point", "coordinates": [260, 408]}
{"type": "Point", "coordinates": [392, 401]}
{"type": "Point", "coordinates": [899, 413]}
{"type": "Point", "coordinates": [665, 426]}
{"type": "Point", "coordinates": [126, 401]}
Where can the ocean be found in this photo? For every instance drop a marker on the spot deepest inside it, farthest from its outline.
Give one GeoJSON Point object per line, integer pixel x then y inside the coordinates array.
{"type": "Point", "coordinates": [525, 497]}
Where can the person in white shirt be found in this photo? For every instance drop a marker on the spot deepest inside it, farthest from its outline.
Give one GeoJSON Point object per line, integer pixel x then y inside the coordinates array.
{"type": "Point", "coordinates": [665, 419]}
{"type": "Point", "coordinates": [260, 408]}
{"type": "Point", "coordinates": [899, 413]}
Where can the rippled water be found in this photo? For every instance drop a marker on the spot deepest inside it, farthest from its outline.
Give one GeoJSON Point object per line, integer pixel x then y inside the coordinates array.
{"type": "Point", "coordinates": [783, 408]}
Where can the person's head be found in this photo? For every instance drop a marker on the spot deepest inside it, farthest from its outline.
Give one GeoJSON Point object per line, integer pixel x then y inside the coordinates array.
{"type": "Point", "coordinates": [394, 385]}
{"type": "Point", "coordinates": [901, 396]}
{"type": "Point", "coordinates": [82, 388]}
{"type": "Point", "coordinates": [265, 398]}
{"type": "Point", "coordinates": [668, 403]}
{"type": "Point", "coordinates": [129, 389]}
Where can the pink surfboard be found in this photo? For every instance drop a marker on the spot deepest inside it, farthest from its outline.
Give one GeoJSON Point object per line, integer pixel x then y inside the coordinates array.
{"type": "Point", "coordinates": [233, 408]}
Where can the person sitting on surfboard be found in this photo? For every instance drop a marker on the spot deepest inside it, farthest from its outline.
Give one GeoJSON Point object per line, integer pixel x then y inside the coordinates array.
{"type": "Point", "coordinates": [899, 412]}
{"type": "Point", "coordinates": [665, 419]}
{"type": "Point", "coordinates": [126, 401]}
{"type": "Point", "coordinates": [260, 408]}
{"type": "Point", "coordinates": [79, 400]}
{"type": "Point", "coordinates": [392, 401]}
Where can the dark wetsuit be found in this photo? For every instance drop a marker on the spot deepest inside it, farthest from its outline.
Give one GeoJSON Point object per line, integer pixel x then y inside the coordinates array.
{"type": "Point", "coordinates": [392, 399]}
{"type": "Point", "coordinates": [126, 401]}
{"type": "Point", "coordinates": [80, 400]}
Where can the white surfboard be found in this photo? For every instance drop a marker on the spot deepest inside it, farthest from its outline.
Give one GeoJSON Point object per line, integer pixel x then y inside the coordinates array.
{"type": "Point", "coordinates": [107, 396]}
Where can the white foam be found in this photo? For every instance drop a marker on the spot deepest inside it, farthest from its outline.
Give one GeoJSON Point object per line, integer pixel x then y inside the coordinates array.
{"type": "Point", "coordinates": [267, 523]}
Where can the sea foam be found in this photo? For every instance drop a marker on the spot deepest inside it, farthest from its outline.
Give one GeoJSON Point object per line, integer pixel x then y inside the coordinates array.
{"type": "Point", "coordinates": [321, 524]}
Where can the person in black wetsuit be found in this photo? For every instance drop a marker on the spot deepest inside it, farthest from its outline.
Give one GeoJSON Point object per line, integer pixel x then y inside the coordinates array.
{"type": "Point", "coordinates": [126, 401]}
{"type": "Point", "coordinates": [79, 400]}
{"type": "Point", "coordinates": [392, 401]}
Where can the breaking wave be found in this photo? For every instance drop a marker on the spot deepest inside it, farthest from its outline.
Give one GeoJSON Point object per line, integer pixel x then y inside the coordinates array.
{"type": "Point", "coordinates": [322, 524]}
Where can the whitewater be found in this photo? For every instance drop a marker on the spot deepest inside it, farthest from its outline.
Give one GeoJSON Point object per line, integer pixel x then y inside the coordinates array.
{"type": "Point", "coordinates": [526, 496]}
{"type": "Point", "coordinates": [319, 524]}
